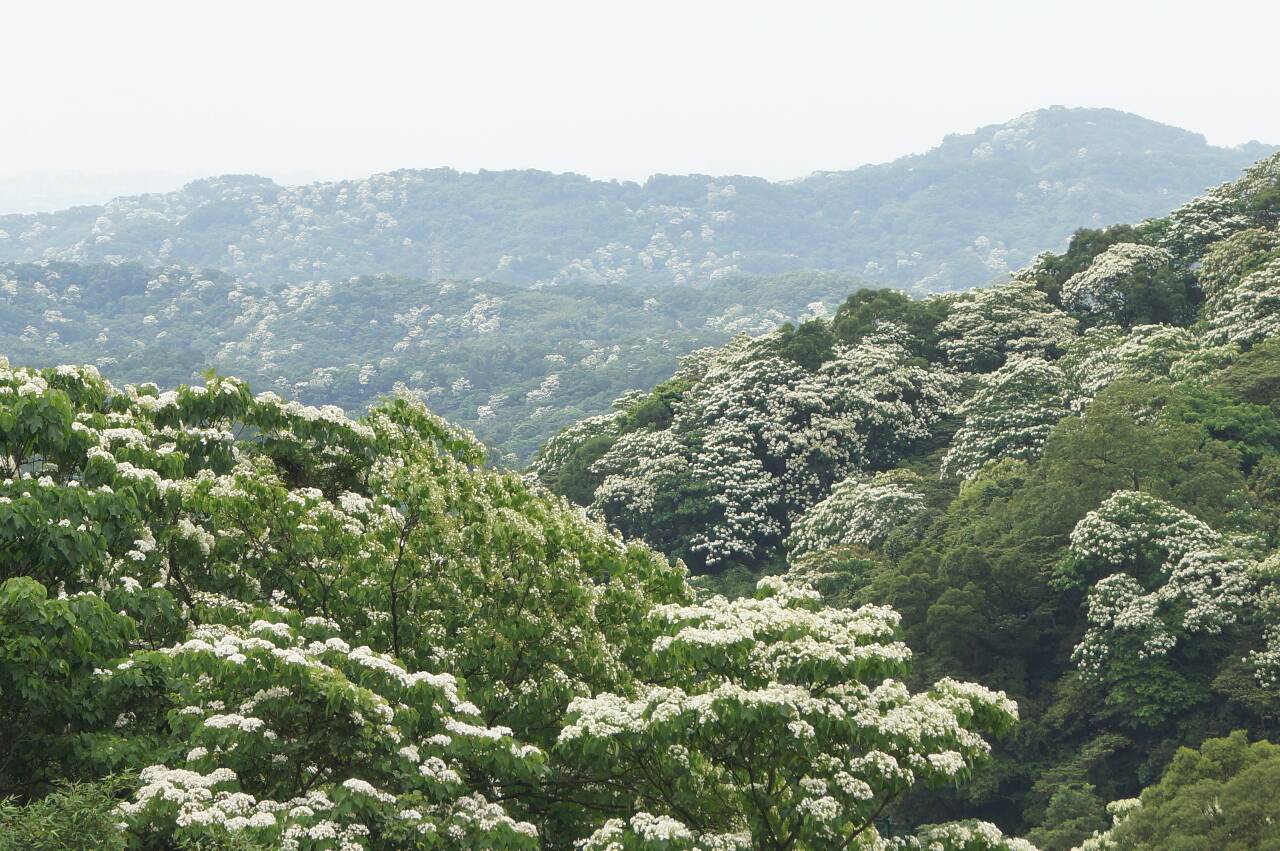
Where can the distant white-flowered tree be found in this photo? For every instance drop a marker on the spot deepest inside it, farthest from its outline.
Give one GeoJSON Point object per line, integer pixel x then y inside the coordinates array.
{"type": "Point", "coordinates": [860, 510]}
{"type": "Point", "coordinates": [1174, 577]}
{"type": "Point", "coordinates": [1108, 353]}
{"type": "Point", "coordinates": [989, 325]}
{"type": "Point", "coordinates": [1100, 289]}
{"type": "Point", "coordinates": [1221, 212]}
{"type": "Point", "coordinates": [1247, 313]}
{"type": "Point", "coordinates": [1009, 416]}
{"type": "Point", "coordinates": [1228, 261]}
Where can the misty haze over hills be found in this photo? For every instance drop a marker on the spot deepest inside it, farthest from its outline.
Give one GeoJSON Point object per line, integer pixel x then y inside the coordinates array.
{"type": "Point", "coordinates": [968, 211]}
{"type": "Point", "coordinates": [41, 191]}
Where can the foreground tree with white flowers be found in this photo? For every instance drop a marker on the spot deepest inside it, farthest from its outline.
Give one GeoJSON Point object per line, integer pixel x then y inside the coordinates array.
{"type": "Point", "coordinates": [274, 626]}
{"type": "Point", "coordinates": [778, 724]}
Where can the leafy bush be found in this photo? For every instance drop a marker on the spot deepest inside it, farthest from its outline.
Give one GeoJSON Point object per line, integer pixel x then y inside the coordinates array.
{"type": "Point", "coordinates": [73, 817]}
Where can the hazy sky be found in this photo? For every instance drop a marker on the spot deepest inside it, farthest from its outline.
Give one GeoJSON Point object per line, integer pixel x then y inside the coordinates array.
{"type": "Point", "coordinates": [609, 89]}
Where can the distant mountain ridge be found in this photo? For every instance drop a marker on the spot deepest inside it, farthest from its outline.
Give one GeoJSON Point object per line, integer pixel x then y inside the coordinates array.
{"type": "Point", "coordinates": [974, 208]}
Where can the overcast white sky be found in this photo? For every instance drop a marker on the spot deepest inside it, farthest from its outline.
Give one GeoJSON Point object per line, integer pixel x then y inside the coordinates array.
{"type": "Point", "coordinates": [610, 89]}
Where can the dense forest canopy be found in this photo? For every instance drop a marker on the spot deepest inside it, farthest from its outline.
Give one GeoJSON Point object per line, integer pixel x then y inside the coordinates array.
{"type": "Point", "coordinates": [979, 205]}
{"type": "Point", "coordinates": [1068, 484]}
{"type": "Point", "coordinates": [986, 571]}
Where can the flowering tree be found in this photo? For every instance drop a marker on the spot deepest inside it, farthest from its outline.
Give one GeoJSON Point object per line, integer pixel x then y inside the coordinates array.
{"type": "Point", "coordinates": [1117, 280]}
{"type": "Point", "coordinates": [1177, 577]}
{"type": "Point", "coordinates": [778, 725]}
{"type": "Point", "coordinates": [1228, 261]}
{"type": "Point", "coordinates": [558, 452]}
{"type": "Point", "coordinates": [1106, 354]}
{"type": "Point", "coordinates": [1223, 211]}
{"type": "Point", "coordinates": [1010, 415]}
{"type": "Point", "coordinates": [759, 438]}
{"type": "Point", "coordinates": [316, 629]}
{"type": "Point", "coordinates": [1247, 313]}
{"type": "Point", "coordinates": [986, 326]}
{"type": "Point", "coordinates": [860, 510]}
{"type": "Point", "coordinates": [1266, 660]}
{"type": "Point", "coordinates": [285, 732]}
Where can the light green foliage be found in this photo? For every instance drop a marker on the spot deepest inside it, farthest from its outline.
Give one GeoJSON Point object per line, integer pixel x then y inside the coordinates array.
{"type": "Point", "coordinates": [1219, 797]}
{"type": "Point", "coordinates": [50, 650]}
{"type": "Point", "coordinates": [318, 605]}
{"type": "Point", "coordinates": [72, 818]}
{"type": "Point", "coordinates": [1133, 436]}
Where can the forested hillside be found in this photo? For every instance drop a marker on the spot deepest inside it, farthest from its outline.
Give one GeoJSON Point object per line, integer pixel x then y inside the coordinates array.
{"type": "Point", "coordinates": [978, 205]}
{"type": "Point", "coordinates": [514, 365]}
{"type": "Point", "coordinates": [233, 622]}
{"type": "Point", "coordinates": [988, 571]}
{"type": "Point", "coordinates": [1068, 485]}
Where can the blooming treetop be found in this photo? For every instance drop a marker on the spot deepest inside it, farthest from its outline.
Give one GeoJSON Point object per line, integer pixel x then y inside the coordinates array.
{"type": "Point", "coordinates": [782, 727]}
{"type": "Point", "coordinates": [860, 510]}
{"type": "Point", "coordinates": [986, 326]}
{"type": "Point", "coordinates": [1010, 415]}
{"type": "Point", "coordinates": [1177, 577]}
{"type": "Point", "coordinates": [1097, 289]}
{"type": "Point", "coordinates": [761, 439]}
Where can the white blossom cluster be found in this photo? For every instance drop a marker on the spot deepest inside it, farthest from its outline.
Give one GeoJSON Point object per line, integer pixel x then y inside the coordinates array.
{"type": "Point", "coordinates": [1228, 261]}
{"type": "Point", "coordinates": [372, 688]}
{"type": "Point", "coordinates": [969, 835]}
{"type": "Point", "coordinates": [860, 510]}
{"type": "Point", "coordinates": [986, 326]}
{"type": "Point", "coordinates": [766, 438]}
{"type": "Point", "coordinates": [1220, 212]}
{"type": "Point", "coordinates": [1009, 416]}
{"type": "Point", "coordinates": [1266, 660]}
{"type": "Point", "coordinates": [1247, 313]}
{"type": "Point", "coordinates": [663, 832]}
{"type": "Point", "coordinates": [1098, 289]}
{"type": "Point", "coordinates": [1119, 811]}
{"type": "Point", "coordinates": [1107, 353]}
{"type": "Point", "coordinates": [812, 684]}
{"type": "Point", "coordinates": [1179, 579]}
